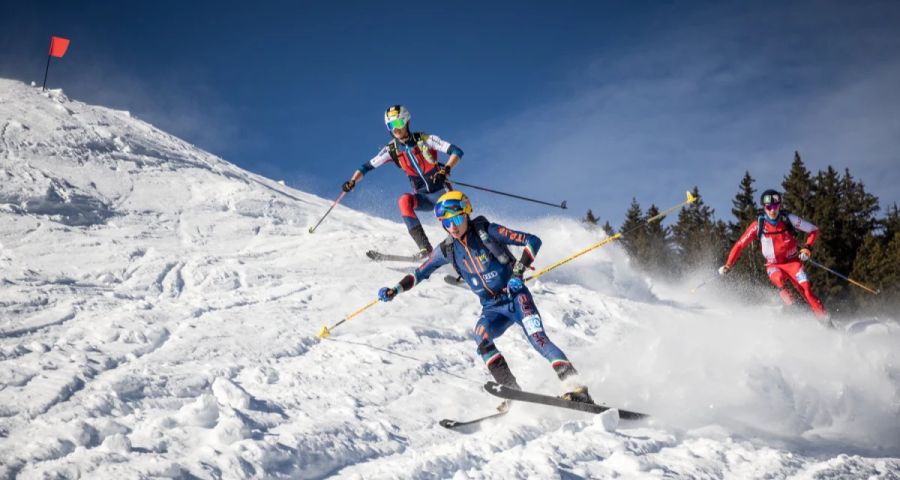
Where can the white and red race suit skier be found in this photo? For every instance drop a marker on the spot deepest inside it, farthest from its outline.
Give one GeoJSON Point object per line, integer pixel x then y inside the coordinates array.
{"type": "Point", "coordinates": [777, 235]}
{"type": "Point", "coordinates": [416, 154]}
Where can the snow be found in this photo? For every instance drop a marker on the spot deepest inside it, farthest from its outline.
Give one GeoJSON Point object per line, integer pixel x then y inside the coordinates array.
{"type": "Point", "coordinates": [159, 306]}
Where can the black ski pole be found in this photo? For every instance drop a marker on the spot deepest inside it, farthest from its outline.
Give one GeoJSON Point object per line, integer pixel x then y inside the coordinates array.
{"type": "Point", "coordinates": [561, 205]}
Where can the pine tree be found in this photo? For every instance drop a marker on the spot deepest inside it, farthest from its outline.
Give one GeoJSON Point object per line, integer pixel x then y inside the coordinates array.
{"type": "Point", "coordinates": [610, 231]}
{"type": "Point", "coordinates": [751, 266]}
{"type": "Point", "coordinates": [698, 238]}
{"type": "Point", "coordinates": [826, 216]}
{"type": "Point", "coordinates": [799, 189]}
{"type": "Point", "coordinates": [857, 209]}
{"type": "Point", "coordinates": [590, 220]}
{"type": "Point", "coordinates": [744, 208]}
{"type": "Point", "coordinates": [870, 269]}
{"type": "Point", "coordinates": [634, 240]}
{"type": "Point", "coordinates": [891, 222]}
{"type": "Point", "coordinates": [657, 255]}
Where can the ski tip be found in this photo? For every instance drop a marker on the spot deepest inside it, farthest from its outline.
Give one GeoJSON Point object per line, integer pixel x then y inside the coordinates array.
{"type": "Point", "coordinates": [447, 423]}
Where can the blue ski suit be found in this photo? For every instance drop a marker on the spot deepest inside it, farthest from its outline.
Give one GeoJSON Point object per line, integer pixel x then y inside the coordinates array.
{"type": "Point", "coordinates": [475, 258]}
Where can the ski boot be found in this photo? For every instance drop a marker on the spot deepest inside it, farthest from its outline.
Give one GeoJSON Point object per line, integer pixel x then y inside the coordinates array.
{"type": "Point", "coordinates": [418, 235]}
{"type": "Point", "coordinates": [578, 394]}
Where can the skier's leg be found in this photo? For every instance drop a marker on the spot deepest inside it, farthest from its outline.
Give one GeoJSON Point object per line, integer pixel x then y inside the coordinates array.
{"type": "Point", "coordinates": [527, 316]}
{"type": "Point", "coordinates": [426, 201]}
{"type": "Point", "coordinates": [803, 285]}
{"type": "Point", "coordinates": [491, 325]}
{"type": "Point", "coordinates": [408, 203]}
{"type": "Point", "coordinates": [778, 277]}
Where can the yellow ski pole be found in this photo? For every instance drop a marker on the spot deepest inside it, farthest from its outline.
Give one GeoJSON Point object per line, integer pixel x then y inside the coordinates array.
{"type": "Point", "coordinates": [326, 331]}
{"type": "Point", "coordinates": [690, 199]}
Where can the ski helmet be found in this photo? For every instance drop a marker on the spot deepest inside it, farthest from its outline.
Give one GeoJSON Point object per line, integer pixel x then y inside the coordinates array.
{"type": "Point", "coordinates": [452, 204]}
{"type": "Point", "coordinates": [769, 197]}
{"type": "Point", "coordinates": [396, 116]}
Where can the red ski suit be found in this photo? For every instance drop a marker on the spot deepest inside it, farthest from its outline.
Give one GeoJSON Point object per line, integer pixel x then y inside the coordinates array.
{"type": "Point", "coordinates": [779, 247]}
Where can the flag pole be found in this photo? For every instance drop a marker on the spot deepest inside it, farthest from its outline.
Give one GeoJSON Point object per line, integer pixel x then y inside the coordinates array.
{"type": "Point", "coordinates": [46, 70]}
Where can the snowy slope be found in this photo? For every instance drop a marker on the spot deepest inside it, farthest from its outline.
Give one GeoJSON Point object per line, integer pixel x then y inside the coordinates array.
{"type": "Point", "coordinates": [158, 312]}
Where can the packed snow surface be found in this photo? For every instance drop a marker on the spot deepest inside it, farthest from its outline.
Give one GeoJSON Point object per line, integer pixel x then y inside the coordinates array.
{"type": "Point", "coordinates": [159, 309]}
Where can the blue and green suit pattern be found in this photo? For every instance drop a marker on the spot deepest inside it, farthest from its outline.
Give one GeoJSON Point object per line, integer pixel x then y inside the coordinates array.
{"type": "Point", "coordinates": [487, 277]}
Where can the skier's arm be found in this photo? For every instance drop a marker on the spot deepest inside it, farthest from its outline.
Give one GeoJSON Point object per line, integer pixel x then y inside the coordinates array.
{"type": "Point", "coordinates": [804, 226]}
{"type": "Point", "coordinates": [384, 156]}
{"type": "Point", "coordinates": [507, 236]}
{"type": "Point", "coordinates": [434, 261]}
{"type": "Point", "coordinates": [450, 149]}
{"type": "Point", "coordinates": [746, 239]}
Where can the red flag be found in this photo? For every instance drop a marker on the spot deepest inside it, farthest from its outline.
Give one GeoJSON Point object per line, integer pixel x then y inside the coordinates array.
{"type": "Point", "coordinates": [58, 46]}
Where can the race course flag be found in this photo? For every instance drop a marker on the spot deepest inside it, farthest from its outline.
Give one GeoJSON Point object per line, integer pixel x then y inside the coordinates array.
{"type": "Point", "coordinates": [58, 47]}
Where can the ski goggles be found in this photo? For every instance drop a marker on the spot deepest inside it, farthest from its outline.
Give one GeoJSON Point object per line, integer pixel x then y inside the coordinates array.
{"type": "Point", "coordinates": [449, 208]}
{"type": "Point", "coordinates": [397, 123]}
{"type": "Point", "coordinates": [772, 206]}
{"type": "Point", "coordinates": [457, 220]}
{"type": "Point", "coordinates": [771, 198]}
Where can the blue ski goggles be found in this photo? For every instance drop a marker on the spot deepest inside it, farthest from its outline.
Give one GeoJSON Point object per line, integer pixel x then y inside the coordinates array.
{"type": "Point", "coordinates": [457, 220]}
{"type": "Point", "coordinates": [449, 208]}
{"type": "Point", "coordinates": [396, 124]}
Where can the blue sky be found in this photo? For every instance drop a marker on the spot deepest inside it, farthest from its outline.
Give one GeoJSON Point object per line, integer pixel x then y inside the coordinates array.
{"type": "Point", "coordinates": [591, 102]}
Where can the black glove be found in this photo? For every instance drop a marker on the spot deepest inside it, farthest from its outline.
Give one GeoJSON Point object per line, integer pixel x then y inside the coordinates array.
{"type": "Point", "coordinates": [441, 176]}
{"type": "Point", "coordinates": [348, 185]}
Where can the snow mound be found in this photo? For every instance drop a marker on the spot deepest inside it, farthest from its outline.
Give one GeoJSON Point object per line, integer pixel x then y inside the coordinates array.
{"type": "Point", "coordinates": [158, 312]}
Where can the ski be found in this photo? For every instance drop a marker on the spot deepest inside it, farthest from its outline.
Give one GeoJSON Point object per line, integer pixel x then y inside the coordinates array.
{"type": "Point", "coordinates": [456, 281]}
{"type": "Point", "coordinates": [387, 257]}
{"type": "Point", "coordinates": [513, 394]}
{"type": "Point", "coordinates": [468, 425]}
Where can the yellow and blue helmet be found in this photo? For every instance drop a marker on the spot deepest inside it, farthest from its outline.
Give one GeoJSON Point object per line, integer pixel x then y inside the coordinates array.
{"type": "Point", "coordinates": [452, 204]}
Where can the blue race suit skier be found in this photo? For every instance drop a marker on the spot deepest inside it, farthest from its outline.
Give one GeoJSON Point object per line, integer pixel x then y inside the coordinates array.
{"type": "Point", "coordinates": [416, 154]}
{"type": "Point", "coordinates": [478, 251]}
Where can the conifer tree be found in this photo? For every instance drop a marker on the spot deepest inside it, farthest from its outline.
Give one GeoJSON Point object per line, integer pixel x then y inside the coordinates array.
{"type": "Point", "coordinates": [634, 241]}
{"type": "Point", "coordinates": [657, 255]}
{"type": "Point", "coordinates": [610, 231]}
{"type": "Point", "coordinates": [697, 237]}
{"type": "Point", "coordinates": [751, 265]}
{"type": "Point", "coordinates": [799, 189]}
{"type": "Point", "coordinates": [589, 219]}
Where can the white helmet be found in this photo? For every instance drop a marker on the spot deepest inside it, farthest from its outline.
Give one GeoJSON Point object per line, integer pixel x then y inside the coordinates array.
{"type": "Point", "coordinates": [396, 116]}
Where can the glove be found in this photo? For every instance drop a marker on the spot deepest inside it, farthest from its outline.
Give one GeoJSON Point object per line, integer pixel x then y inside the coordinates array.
{"type": "Point", "coordinates": [386, 294]}
{"type": "Point", "coordinates": [348, 185]}
{"type": "Point", "coordinates": [518, 269]}
{"type": "Point", "coordinates": [441, 175]}
{"type": "Point", "coordinates": [723, 269]}
{"type": "Point", "coordinates": [805, 254]}
{"type": "Point", "coordinates": [515, 285]}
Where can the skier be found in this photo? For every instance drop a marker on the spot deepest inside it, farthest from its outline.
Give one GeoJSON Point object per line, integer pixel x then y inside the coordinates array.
{"type": "Point", "coordinates": [477, 250]}
{"type": "Point", "coordinates": [416, 154]}
{"type": "Point", "coordinates": [777, 232]}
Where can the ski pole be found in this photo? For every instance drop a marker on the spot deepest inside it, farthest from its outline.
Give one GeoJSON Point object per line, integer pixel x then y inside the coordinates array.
{"type": "Point", "coordinates": [704, 282]}
{"type": "Point", "coordinates": [326, 331]}
{"type": "Point", "coordinates": [341, 197]}
{"type": "Point", "coordinates": [690, 199]}
{"type": "Point", "coordinates": [854, 282]}
{"type": "Point", "coordinates": [561, 205]}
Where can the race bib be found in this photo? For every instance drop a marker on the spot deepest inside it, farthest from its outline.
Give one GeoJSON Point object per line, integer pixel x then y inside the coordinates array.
{"type": "Point", "coordinates": [532, 324]}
